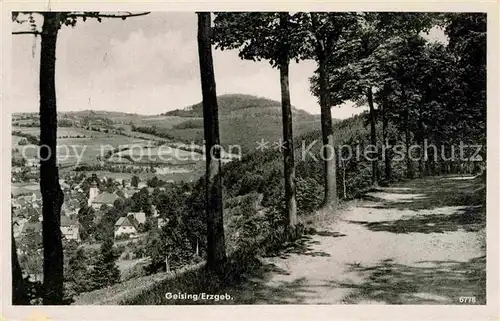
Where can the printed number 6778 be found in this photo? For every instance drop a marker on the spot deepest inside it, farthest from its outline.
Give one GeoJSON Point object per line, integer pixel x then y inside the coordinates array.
{"type": "Point", "coordinates": [467, 299]}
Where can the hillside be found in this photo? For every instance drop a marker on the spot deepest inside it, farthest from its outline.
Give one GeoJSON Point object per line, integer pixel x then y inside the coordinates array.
{"type": "Point", "coordinates": [244, 121]}
{"type": "Point", "coordinates": [238, 103]}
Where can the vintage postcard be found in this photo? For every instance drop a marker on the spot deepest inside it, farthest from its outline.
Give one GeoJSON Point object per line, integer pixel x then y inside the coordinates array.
{"type": "Point", "coordinates": [236, 161]}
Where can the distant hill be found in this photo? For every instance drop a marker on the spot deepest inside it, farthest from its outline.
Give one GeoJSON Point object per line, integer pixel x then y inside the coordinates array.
{"type": "Point", "coordinates": [244, 120]}
{"type": "Point", "coordinates": [232, 104]}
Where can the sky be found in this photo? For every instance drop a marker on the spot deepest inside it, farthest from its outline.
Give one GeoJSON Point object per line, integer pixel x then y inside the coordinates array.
{"type": "Point", "coordinates": [146, 65]}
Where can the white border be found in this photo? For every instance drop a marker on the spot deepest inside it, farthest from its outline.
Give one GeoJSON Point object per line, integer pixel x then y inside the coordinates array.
{"type": "Point", "coordinates": [489, 312]}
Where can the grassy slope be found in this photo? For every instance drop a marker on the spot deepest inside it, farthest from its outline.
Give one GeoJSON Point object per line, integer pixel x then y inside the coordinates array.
{"type": "Point", "coordinates": [244, 120]}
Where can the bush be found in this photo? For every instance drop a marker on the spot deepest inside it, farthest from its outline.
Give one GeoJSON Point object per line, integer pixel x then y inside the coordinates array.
{"type": "Point", "coordinates": [134, 272]}
{"type": "Point", "coordinates": [309, 195]}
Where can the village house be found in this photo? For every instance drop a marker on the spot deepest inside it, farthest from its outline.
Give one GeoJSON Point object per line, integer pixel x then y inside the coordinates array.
{"type": "Point", "coordinates": [105, 198]}
{"type": "Point", "coordinates": [70, 229]}
{"type": "Point", "coordinates": [17, 226]}
{"type": "Point", "coordinates": [125, 226]}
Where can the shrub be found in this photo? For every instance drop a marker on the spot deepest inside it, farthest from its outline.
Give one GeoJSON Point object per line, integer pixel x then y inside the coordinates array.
{"type": "Point", "coordinates": [309, 195]}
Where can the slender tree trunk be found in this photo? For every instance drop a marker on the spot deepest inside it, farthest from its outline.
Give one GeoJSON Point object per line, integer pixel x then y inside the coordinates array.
{"type": "Point", "coordinates": [167, 265]}
{"type": "Point", "coordinates": [387, 153]}
{"type": "Point", "coordinates": [373, 136]}
{"type": "Point", "coordinates": [216, 247]}
{"type": "Point", "coordinates": [286, 109]}
{"type": "Point", "coordinates": [409, 162]}
{"type": "Point", "coordinates": [19, 296]}
{"type": "Point", "coordinates": [420, 138]}
{"type": "Point", "coordinates": [52, 195]}
{"type": "Point", "coordinates": [328, 152]}
{"type": "Point", "coordinates": [422, 160]}
{"type": "Point", "coordinates": [406, 115]}
{"type": "Point", "coordinates": [343, 180]}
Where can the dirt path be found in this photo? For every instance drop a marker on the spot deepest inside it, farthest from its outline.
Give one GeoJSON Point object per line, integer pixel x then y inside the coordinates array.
{"type": "Point", "coordinates": [420, 242]}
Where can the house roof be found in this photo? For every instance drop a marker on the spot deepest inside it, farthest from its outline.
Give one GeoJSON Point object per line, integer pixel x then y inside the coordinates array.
{"type": "Point", "coordinates": [124, 221]}
{"type": "Point", "coordinates": [105, 198]}
{"type": "Point", "coordinates": [139, 216]}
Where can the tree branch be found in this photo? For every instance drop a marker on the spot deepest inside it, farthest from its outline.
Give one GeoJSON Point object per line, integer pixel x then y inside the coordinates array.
{"type": "Point", "coordinates": [26, 33]}
{"type": "Point", "coordinates": [103, 15]}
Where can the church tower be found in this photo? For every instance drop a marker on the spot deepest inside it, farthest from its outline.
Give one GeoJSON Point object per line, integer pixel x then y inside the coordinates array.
{"type": "Point", "coordinates": [93, 192]}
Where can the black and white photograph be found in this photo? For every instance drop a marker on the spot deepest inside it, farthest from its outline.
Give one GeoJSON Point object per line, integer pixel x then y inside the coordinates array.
{"type": "Point", "coordinates": [248, 158]}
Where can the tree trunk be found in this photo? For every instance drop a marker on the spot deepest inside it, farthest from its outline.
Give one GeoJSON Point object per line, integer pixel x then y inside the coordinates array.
{"type": "Point", "coordinates": [387, 154]}
{"type": "Point", "coordinates": [343, 180]}
{"type": "Point", "coordinates": [406, 115]}
{"type": "Point", "coordinates": [52, 195]}
{"type": "Point", "coordinates": [373, 137]}
{"type": "Point", "coordinates": [216, 247]}
{"type": "Point", "coordinates": [167, 265]}
{"type": "Point", "coordinates": [409, 162]}
{"type": "Point", "coordinates": [19, 296]}
{"type": "Point", "coordinates": [328, 152]}
{"type": "Point", "coordinates": [286, 108]}
{"type": "Point", "coordinates": [423, 152]}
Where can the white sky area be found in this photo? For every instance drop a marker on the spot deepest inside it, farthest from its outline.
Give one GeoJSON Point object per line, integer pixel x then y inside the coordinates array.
{"type": "Point", "coordinates": [148, 65]}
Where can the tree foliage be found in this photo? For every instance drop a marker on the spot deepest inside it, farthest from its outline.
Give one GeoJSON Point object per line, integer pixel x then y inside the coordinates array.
{"type": "Point", "coordinates": [105, 271]}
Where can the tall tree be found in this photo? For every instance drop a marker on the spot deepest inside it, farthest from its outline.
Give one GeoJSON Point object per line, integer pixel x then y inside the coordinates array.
{"type": "Point", "coordinates": [467, 44]}
{"type": "Point", "coordinates": [77, 274]}
{"type": "Point", "coordinates": [276, 37]}
{"type": "Point", "coordinates": [328, 31]}
{"type": "Point", "coordinates": [286, 114]}
{"type": "Point", "coordinates": [105, 272]}
{"type": "Point", "coordinates": [52, 195]}
{"type": "Point", "coordinates": [216, 248]}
